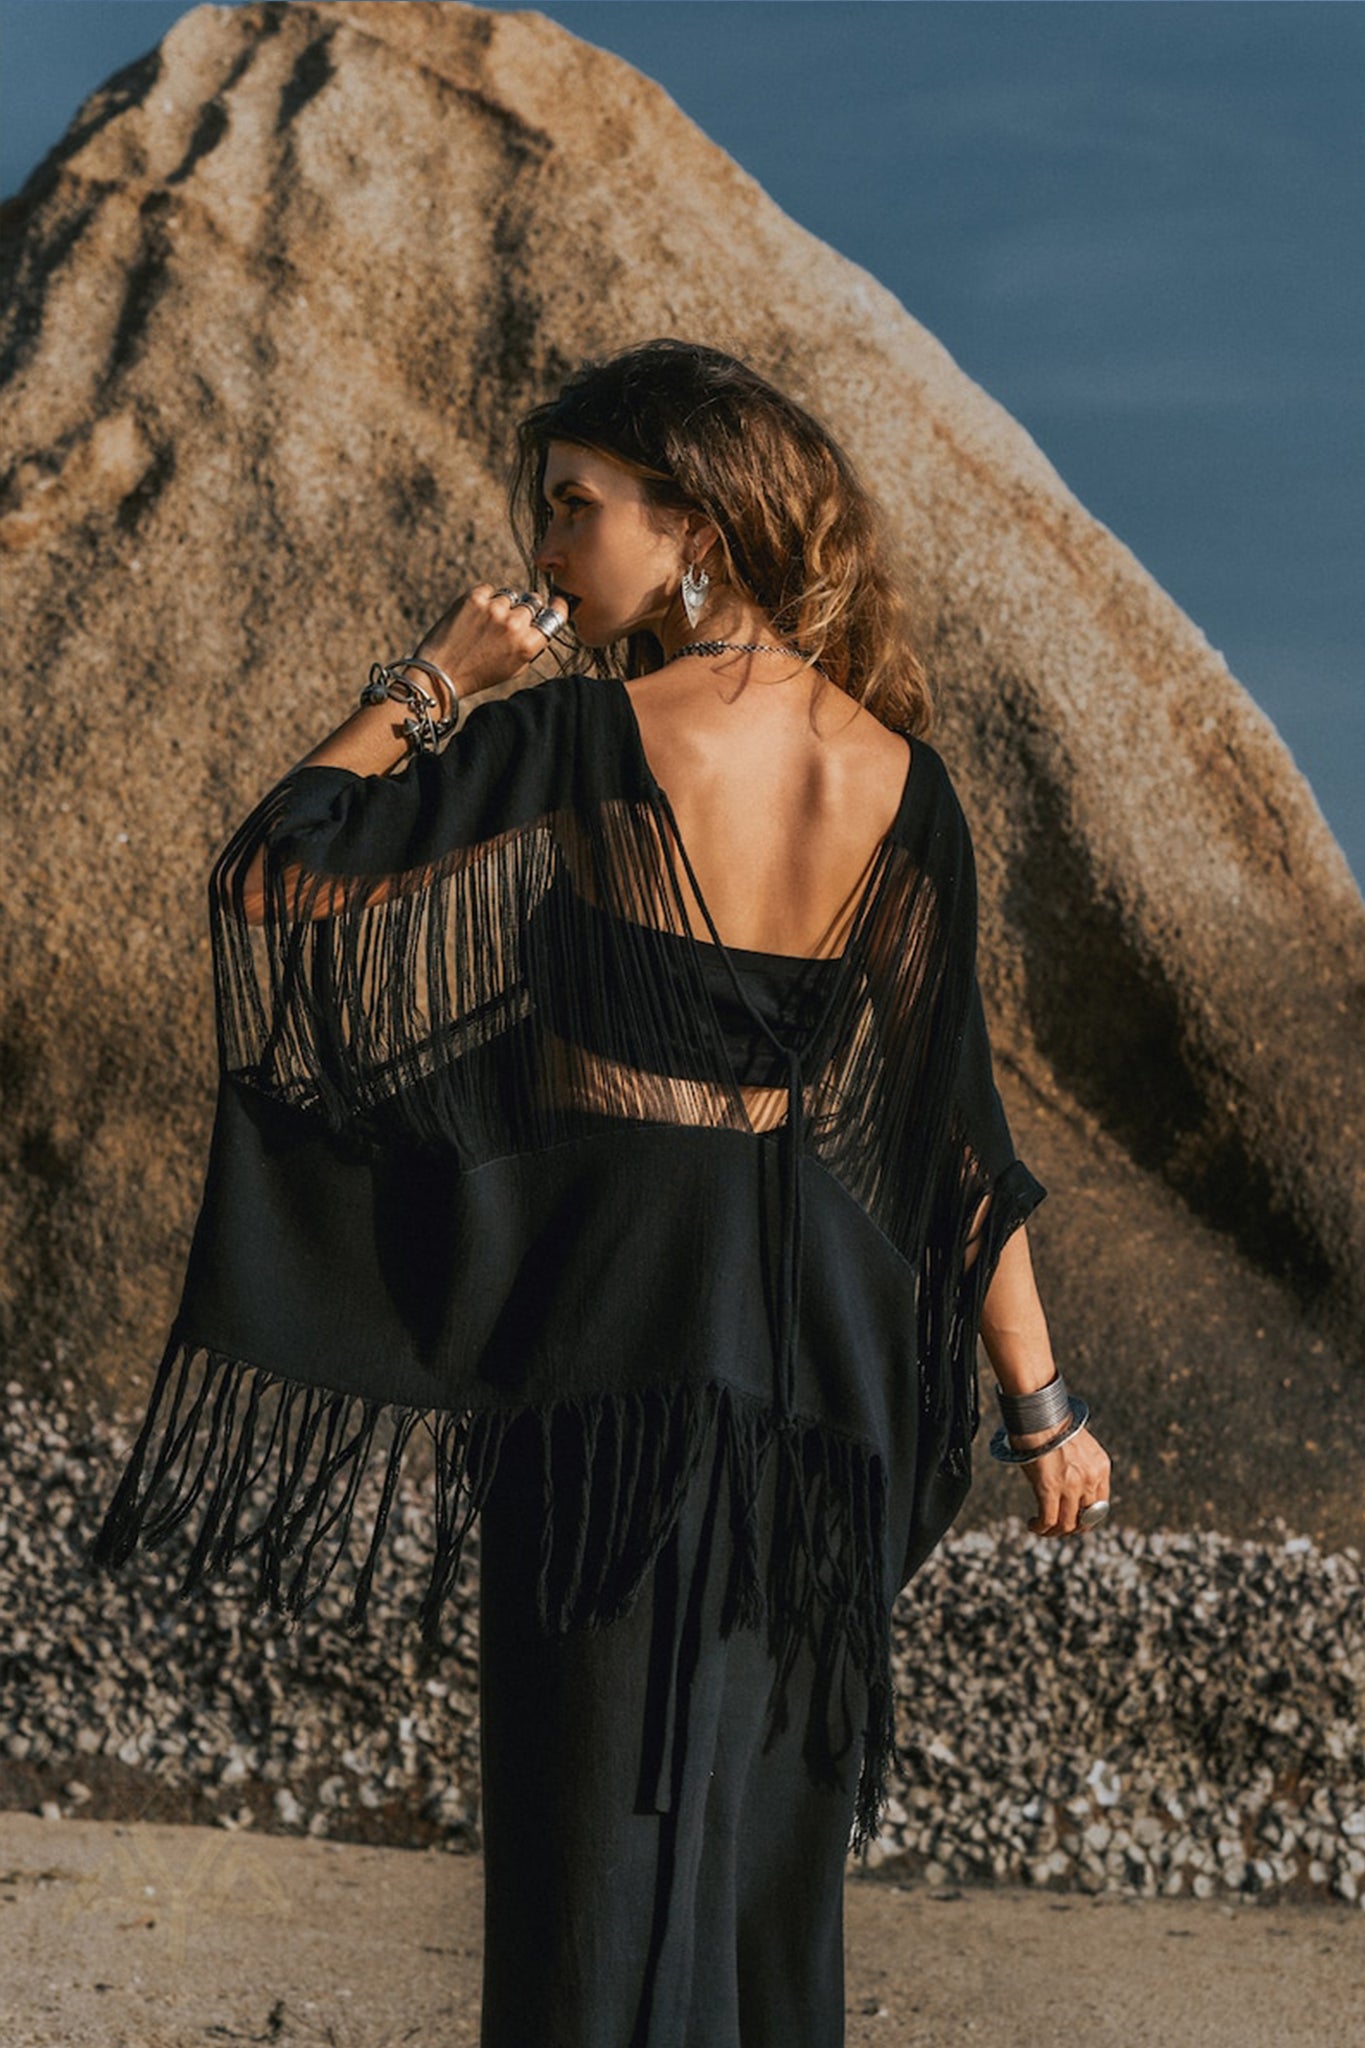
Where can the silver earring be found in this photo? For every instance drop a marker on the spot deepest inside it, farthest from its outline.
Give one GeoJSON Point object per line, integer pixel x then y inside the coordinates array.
{"type": "Point", "coordinates": [695, 585]}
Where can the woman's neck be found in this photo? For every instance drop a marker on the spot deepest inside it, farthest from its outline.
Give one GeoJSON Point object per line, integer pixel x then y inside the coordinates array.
{"type": "Point", "coordinates": [730, 619]}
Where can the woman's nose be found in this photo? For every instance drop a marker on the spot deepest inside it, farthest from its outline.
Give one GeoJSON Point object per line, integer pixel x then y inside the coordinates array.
{"type": "Point", "coordinates": [547, 556]}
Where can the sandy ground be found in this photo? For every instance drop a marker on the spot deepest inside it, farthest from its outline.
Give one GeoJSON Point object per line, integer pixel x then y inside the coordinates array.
{"type": "Point", "coordinates": [140, 1936]}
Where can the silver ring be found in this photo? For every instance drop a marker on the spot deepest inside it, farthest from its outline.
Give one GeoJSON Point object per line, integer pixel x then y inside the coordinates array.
{"type": "Point", "coordinates": [549, 621]}
{"type": "Point", "coordinates": [528, 598]}
{"type": "Point", "coordinates": [504, 590]}
{"type": "Point", "coordinates": [1091, 1517]}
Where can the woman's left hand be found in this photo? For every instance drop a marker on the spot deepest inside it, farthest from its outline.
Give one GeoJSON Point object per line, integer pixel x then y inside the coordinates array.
{"type": "Point", "coordinates": [1064, 1481]}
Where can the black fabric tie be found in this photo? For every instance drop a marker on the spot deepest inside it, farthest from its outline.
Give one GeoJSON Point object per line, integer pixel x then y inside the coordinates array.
{"type": "Point", "coordinates": [789, 1317]}
{"type": "Point", "coordinates": [786, 1253]}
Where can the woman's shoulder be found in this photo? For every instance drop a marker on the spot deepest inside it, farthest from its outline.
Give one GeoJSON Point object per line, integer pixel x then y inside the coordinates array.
{"type": "Point", "coordinates": [567, 732]}
{"type": "Point", "coordinates": [569, 714]}
{"type": "Point", "coordinates": [927, 759]}
{"type": "Point", "coordinates": [929, 777]}
{"type": "Point", "coordinates": [933, 823]}
{"type": "Point", "coordinates": [538, 700]}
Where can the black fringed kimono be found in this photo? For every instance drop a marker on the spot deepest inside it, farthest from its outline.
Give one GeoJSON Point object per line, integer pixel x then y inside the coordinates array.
{"type": "Point", "coordinates": [482, 1153]}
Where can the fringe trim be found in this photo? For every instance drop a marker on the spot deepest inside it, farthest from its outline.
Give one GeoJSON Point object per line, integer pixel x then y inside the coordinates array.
{"type": "Point", "coordinates": [616, 1471]}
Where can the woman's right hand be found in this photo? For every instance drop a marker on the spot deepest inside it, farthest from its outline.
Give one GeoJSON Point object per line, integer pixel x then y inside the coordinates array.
{"type": "Point", "coordinates": [483, 640]}
{"type": "Point", "coordinates": [1064, 1481]}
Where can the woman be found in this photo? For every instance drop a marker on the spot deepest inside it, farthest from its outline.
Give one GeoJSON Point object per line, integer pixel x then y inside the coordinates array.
{"type": "Point", "coordinates": [609, 1092]}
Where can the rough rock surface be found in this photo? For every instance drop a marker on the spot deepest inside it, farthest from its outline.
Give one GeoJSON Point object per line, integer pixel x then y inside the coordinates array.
{"type": "Point", "coordinates": [269, 312]}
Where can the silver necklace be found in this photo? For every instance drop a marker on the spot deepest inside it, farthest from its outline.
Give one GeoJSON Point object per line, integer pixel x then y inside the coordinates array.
{"type": "Point", "coordinates": [735, 647]}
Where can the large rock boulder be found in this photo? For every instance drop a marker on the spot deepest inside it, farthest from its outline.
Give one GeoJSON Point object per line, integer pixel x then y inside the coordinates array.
{"type": "Point", "coordinates": [270, 311]}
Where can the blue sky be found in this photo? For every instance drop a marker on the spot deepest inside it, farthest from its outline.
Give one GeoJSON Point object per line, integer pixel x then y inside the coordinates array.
{"type": "Point", "coordinates": [1137, 223]}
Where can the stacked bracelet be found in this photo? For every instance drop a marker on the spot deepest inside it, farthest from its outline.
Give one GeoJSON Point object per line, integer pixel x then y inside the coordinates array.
{"type": "Point", "coordinates": [1026, 1414]}
{"type": "Point", "coordinates": [1051, 1407]}
{"type": "Point", "coordinates": [429, 668]}
{"type": "Point", "coordinates": [387, 684]}
{"type": "Point", "coordinates": [1004, 1452]}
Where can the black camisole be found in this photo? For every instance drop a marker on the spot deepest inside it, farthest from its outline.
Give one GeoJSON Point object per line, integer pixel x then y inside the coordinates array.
{"type": "Point", "coordinates": [789, 991]}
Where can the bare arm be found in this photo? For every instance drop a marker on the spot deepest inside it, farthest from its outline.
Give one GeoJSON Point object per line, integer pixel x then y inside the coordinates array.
{"type": "Point", "coordinates": [1013, 1326]}
{"type": "Point", "coordinates": [1015, 1334]}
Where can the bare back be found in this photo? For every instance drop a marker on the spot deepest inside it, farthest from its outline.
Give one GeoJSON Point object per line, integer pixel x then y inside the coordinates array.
{"type": "Point", "coordinates": [783, 792]}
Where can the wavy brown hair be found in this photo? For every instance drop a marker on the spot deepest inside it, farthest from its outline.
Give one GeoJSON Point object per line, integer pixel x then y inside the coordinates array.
{"type": "Point", "coordinates": [799, 534]}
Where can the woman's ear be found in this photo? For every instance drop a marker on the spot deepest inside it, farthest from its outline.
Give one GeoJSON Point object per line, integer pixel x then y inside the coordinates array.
{"type": "Point", "coordinates": [700, 541]}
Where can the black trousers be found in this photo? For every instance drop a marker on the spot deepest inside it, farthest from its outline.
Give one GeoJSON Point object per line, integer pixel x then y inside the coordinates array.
{"type": "Point", "coordinates": [716, 1922]}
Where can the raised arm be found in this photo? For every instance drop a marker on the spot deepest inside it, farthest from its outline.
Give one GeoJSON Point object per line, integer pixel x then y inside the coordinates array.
{"type": "Point", "coordinates": [480, 642]}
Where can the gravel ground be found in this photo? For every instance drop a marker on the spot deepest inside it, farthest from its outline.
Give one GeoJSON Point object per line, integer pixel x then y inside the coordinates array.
{"type": "Point", "coordinates": [1144, 1715]}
